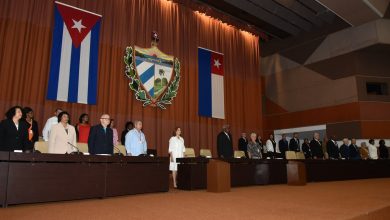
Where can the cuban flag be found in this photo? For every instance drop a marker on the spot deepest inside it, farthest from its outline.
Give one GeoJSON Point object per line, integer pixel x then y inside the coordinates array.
{"type": "Point", "coordinates": [74, 55]}
{"type": "Point", "coordinates": [211, 89]}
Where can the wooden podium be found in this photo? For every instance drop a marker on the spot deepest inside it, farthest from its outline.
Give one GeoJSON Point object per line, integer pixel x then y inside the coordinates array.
{"type": "Point", "coordinates": [218, 176]}
{"type": "Point", "coordinates": [296, 173]}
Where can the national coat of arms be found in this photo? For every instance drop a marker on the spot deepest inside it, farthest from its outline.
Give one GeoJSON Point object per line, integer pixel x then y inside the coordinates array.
{"type": "Point", "coordinates": [154, 76]}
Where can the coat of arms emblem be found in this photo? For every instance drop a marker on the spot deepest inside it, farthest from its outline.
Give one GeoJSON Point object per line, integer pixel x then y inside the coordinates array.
{"type": "Point", "coordinates": [154, 76]}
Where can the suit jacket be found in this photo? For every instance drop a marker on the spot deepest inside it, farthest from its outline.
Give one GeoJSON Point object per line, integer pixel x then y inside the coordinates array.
{"type": "Point", "coordinates": [354, 152]}
{"type": "Point", "coordinates": [344, 151]}
{"type": "Point", "coordinates": [294, 145]}
{"type": "Point", "coordinates": [383, 152]}
{"type": "Point", "coordinates": [35, 133]}
{"type": "Point", "coordinates": [283, 147]}
{"type": "Point", "coordinates": [224, 145]}
{"type": "Point", "coordinates": [243, 145]}
{"type": "Point", "coordinates": [333, 150]}
{"type": "Point", "coordinates": [11, 138]}
{"type": "Point", "coordinates": [100, 142]}
{"type": "Point", "coordinates": [306, 150]}
{"type": "Point", "coordinates": [316, 149]}
{"type": "Point", "coordinates": [59, 139]}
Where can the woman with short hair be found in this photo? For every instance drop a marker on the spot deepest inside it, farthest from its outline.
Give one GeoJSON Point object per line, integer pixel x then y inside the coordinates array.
{"type": "Point", "coordinates": [13, 132]}
{"type": "Point", "coordinates": [62, 138]}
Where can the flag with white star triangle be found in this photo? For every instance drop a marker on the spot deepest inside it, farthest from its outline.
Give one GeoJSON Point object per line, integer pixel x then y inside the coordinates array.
{"type": "Point", "coordinates": [74, 55]}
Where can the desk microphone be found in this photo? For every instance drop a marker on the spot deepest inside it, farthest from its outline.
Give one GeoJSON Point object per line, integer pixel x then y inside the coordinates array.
{"type": "Point", "coordinates": [77, 152]}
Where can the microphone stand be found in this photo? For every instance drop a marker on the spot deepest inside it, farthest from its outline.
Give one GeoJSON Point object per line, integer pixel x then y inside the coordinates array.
{"type": "Point", "coordinates": [75, 152]}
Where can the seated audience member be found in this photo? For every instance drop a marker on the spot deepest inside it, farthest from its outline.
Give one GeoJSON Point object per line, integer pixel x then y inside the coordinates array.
{"type": "Point", "coordinates": [32, 127]}
{"type": "Point", "coordinates": [62, 137]}
{"type": "Point", "coordinates": [254, 149]}
{"type": "Point", "coordinates": [364, 151]}
{"type": "Point", "coordinates": [13, 131]}
{"type": "Point", "coordinates": [49, 123]}
{"type": "Point", "coordinates": [354, 150]}
{"type": "Point", "coordinates": [383, 151]}
{"type": "Point", "coordinates": [135, 140]}
{"type": "Point", "coordinates": [243, 143]}
{"type": "Point", "coordinates": [306, 148]}
{"type": "Point", "coordinates": [224, 143]}
{"type": "Point", "coordinates": [333, 148]}
{"type": "Point", "coordinates": [129, 126]}
{"type": "Point", "coordinates": [372, 150]}
{"type": "Point", "coordinates": [294, 143]}
{"type": "Point", "coordinates": [271, 146]}
{"type": "Point", "coordinates": [83, 128]}
{"type": "Point", "coordinates": [100, 137]}
{"type": "Point", "coordinates": [316, 147]}
{"type": "Point", "coordinates": [344, 149]}
{"type": "Point", "coordinates": [283, 145]}
{"type": "Point", "coordinates": [115, 138]}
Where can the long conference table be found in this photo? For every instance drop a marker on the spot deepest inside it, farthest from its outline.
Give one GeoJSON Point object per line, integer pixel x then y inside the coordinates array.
{"type": "Point", "coordinates": [192, 172]}
{"type": "Point", "coordinates": [33, 177]}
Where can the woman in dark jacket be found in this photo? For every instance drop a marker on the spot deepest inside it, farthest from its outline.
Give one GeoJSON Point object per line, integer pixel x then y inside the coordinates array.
{"type": "Point", "coordinates": [13, 131]}
{"type": "Point", "coordinates": [32, 127]}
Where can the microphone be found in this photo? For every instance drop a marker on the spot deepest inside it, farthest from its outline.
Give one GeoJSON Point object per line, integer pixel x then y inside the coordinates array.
{"type": "Point", "coordinates": [77, 152]}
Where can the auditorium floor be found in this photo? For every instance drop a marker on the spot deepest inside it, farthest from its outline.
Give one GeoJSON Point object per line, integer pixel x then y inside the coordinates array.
{"type": "Point", "coordinates": [358, 200]}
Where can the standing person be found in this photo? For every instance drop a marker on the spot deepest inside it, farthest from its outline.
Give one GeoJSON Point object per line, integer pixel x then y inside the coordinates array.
{"type": "Point", "coordinates": [283, 146]}
{"type": "Point", "coordinates": [354, 150]}
{"type": "Point", "coordinates": [254, 149]}
{"type": "Point", "coordinates": [115, 137]}
{"type": "Point", "coordinates": [333, 148]}
{"type": "Point", "coordinates": [136, 141]}
{"type": "Point", "coordinates": [316, 147]}
{"type": "Point", "coordinates": [271, 146]}
{"type": "Point", "coordinates": [306, 149]}
{"type": "Point", "coordinates": [13, 132]}
{"type": "Point", "coordinates": [383, 152]}
{"type": "Point", "coordinates": [83, 128]}
{"type": "Point", "coordinates": [129, 125]}
{"type": "Point", "coordinates": [49, 123]}
{"type": "Point", "coordinates": [224, 143]}
{"type": "Point", "coordinates": [243, 143]}
{"type": "Point", "coordinates": [100, 137]}
{"type": "Point", "coordinates": [364, 154]}
{"type": "Point", "coordinates": [32, 126]}
{"type": "Point", "coordinates": [176, 150]}
{"type": "Point", "coordinates": [294, 143]}
{"type": "Point", "coordinates": [344, 149]}
{"type": "Point", "coordinates": [372, 150]}
{"type": "Point", "coordinates": [62, 138]}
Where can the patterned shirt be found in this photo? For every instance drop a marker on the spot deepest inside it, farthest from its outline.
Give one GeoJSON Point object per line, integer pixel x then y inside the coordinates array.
{"type": "Point", "coordinates": [254, 150]}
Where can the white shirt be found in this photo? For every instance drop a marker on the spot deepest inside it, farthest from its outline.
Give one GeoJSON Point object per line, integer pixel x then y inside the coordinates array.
{"type": "Point", "coordinates": [372, 152]}
{"type": "Point", "coordinates": [176, 147]}
{"type": "Point", "coordinates": [270, 146]}
{"type": "Point", "coordinates": [49, 123]}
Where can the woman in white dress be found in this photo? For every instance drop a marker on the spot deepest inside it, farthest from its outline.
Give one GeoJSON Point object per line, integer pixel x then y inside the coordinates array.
{"type": "Point", "coordinates": [62, 136]}
{"type": "Point", "coordinates": [176, 150]}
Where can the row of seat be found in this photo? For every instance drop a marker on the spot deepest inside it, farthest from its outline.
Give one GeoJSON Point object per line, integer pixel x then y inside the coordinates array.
{"type": "Point", "coordinates": [42, 146]}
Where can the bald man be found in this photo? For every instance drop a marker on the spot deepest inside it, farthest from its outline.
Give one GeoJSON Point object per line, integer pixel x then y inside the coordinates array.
{"type": "Point", "coordinates": [100, 137]}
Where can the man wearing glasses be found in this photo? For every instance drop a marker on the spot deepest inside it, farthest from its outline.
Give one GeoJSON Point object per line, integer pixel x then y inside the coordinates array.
{"type": "Point", "coordinates": [100, 137]}
{"type": "Point", "coordinates": [135, 140]}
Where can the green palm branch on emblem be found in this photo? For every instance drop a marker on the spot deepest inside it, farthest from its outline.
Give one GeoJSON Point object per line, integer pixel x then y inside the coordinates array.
{"type": "Point", "coordinates": [160, 83]}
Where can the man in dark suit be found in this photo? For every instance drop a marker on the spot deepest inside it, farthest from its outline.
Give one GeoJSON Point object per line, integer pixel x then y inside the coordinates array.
{"type": "Point", "coordinates": [283, 146]}
{"type": "Point", "coordinates": [100, 140]}
{"type": "Point", "coordinates": [333, 148]}
{"type": "Point", "coordinates": [344, 149]}
{"type": "Point", "coordinates": [224, 143]}
{"type": "Point", "coordinates": [243, 144]}
{"type": "Point", "coordinates": [294, 143]}
{"type": "Point", "coordinates": [316, 147]}
{"type": "Point", "coordinates": [354, 150]}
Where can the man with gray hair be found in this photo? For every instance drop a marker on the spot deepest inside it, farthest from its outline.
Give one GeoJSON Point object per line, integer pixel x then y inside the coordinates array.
{"type": "Point", "coordinates": [135, 140]}
{"type": "Point", "coordinates": [224, 143]}
{"type": "Point", "coordinates": [316, 147]}
{"type": "Point", "coordinates": [100, 137]}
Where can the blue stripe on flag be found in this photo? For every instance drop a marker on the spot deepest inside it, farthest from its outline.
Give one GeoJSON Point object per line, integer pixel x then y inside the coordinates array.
{"type": "Point", "coordinates": [55, 56]}
{"type": "Point", "coordinates": [151, 92]}
{"type": "Point", "coordinates": [93, 64]}
{"type": "Point", "coordinates": [74, 74]}
{"type": "Point", "coordinates": [147, 74]}
{"type": "Point", "coordinates": [204, 83]}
